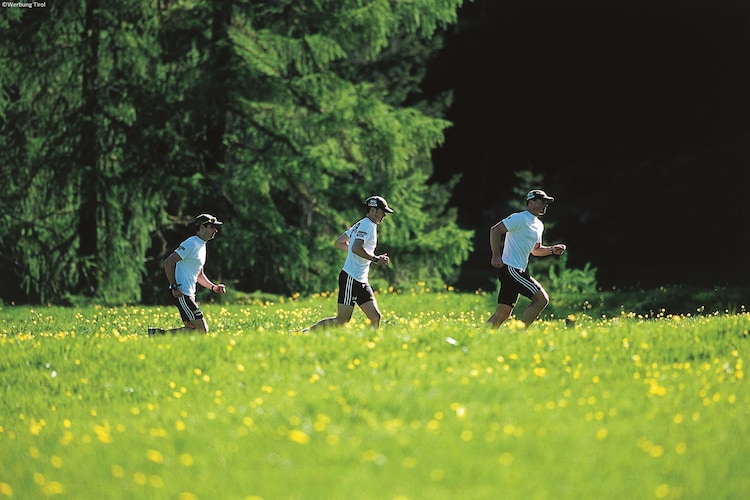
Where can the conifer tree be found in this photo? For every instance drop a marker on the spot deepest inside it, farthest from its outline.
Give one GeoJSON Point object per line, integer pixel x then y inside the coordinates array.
{"type": "Point", "coordinates": [320, 125]}
{"type": "Point", "coordinates": [122, 119]}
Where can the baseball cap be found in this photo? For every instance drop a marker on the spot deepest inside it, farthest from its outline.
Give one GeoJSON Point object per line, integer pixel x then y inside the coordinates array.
{"type": "Point", "coordinates": [379, 202]}
{"type": "Point", "coordinates": [206, 219]}
{"type": "Point", "coordinates": [535, 194]}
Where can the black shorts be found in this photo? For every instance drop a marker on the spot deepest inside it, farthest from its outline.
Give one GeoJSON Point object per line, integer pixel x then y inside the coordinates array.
{"type": "Point", "coordinates": [352, 291]}
{"type": "Point", "coordinates": [514, 281]}
{"type": "Point", "coordinates": [189, 310]}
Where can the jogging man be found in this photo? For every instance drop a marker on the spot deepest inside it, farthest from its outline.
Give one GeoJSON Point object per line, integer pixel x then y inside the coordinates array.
{"type": "Point", "coordinates": [184, 270]}
{"type": "Point", "coordinates": [359, 243]}
{"type": "Point", "coordinates": [523, 237]}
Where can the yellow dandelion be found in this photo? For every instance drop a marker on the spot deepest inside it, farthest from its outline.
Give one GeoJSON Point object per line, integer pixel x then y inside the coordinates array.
{"type": "Point", "coordinates": [505, 458]}
{"type": "Point", "coordinates": [36, 426]}
{"type": "Point", "coordinates": [662, 491]}
{"type": "Point", "coordinates": [53, 488]}
{"type": "Point", "coordinates": [155, 456]}
{"type": "Point", "coordinates": [437, 475]}
{"type": "Point", "coordinates": [657, 389]}
{"type": "Point", "coordinates": [103, 433]}
{"type": "Point", "coordinates": [298, 436]}
{"type": "Point", "coordinates": [656, 451]}
{"type": "Point", "coordinates": [6, 490]}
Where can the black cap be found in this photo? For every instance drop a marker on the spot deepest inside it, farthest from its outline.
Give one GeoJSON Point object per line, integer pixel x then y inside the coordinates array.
{"type": "Point", "coordinates": [538, 194]}
{"type": "Point", "coordinates": [206, 219]}
{"type": "Point", "coordinates": [379, 202]}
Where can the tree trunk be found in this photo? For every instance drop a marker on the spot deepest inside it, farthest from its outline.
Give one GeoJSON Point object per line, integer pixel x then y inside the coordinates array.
{"type": "Point", "coordinates": [88, 151]}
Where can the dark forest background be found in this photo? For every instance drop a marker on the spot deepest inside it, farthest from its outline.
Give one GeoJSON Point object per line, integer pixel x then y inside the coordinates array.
{"type": "Point", "coordinates": [637, 115]}
{"type": "Point", "coordinates": [120, 121]}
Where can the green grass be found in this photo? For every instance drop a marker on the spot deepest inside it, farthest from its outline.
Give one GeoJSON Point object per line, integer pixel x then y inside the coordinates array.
{"type": "Point", "coordinates": [433, 405]}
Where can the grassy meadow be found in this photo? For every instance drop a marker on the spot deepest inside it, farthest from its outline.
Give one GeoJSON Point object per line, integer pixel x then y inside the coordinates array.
{"type": "Point", "coordinates": [431, 406]}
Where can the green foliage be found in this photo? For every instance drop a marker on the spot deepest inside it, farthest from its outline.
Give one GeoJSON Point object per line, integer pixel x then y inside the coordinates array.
{"type": "Point", "coordinates": [526, 181]}
{"type": "Point", "coordinates": [686, 300]}
{"type": "Point", "coordinates": [570, 290]}
{"type": "Point", "coordinates": [311, 139]}
{"type": "Point", "coordinates": [37, 154]}
{"type": "Point", "coordinates": [122, 120]}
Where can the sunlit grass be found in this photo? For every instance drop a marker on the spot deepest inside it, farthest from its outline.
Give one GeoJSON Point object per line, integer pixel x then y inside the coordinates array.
{"type": "Point", "coordinates": [432, 405]}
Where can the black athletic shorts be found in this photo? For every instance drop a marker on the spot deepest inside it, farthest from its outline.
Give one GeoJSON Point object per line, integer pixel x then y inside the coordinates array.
{"type": "Point", "coordinates": [352, 291]}
{"type": "Point", "coordinates": [189, 310]}
{"type": "Point", "coordinates": [514, 281]}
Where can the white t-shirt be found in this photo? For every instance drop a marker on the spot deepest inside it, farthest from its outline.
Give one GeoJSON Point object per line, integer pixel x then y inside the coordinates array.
{"type": "Point", "coordinates": [357, 267]}
{"type": "Point", "coordinates": [192, 251]}
{"type": "Point", "coordinates": [524, 231]}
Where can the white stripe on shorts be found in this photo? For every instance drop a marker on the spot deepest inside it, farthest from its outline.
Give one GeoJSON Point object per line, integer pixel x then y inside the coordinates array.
{"type": "Point", "coordinates": [348, 289]}
{"type": "Point", "coordinates": [183, 305]}
{"type": "Point", "coordinates": [524, 282]}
